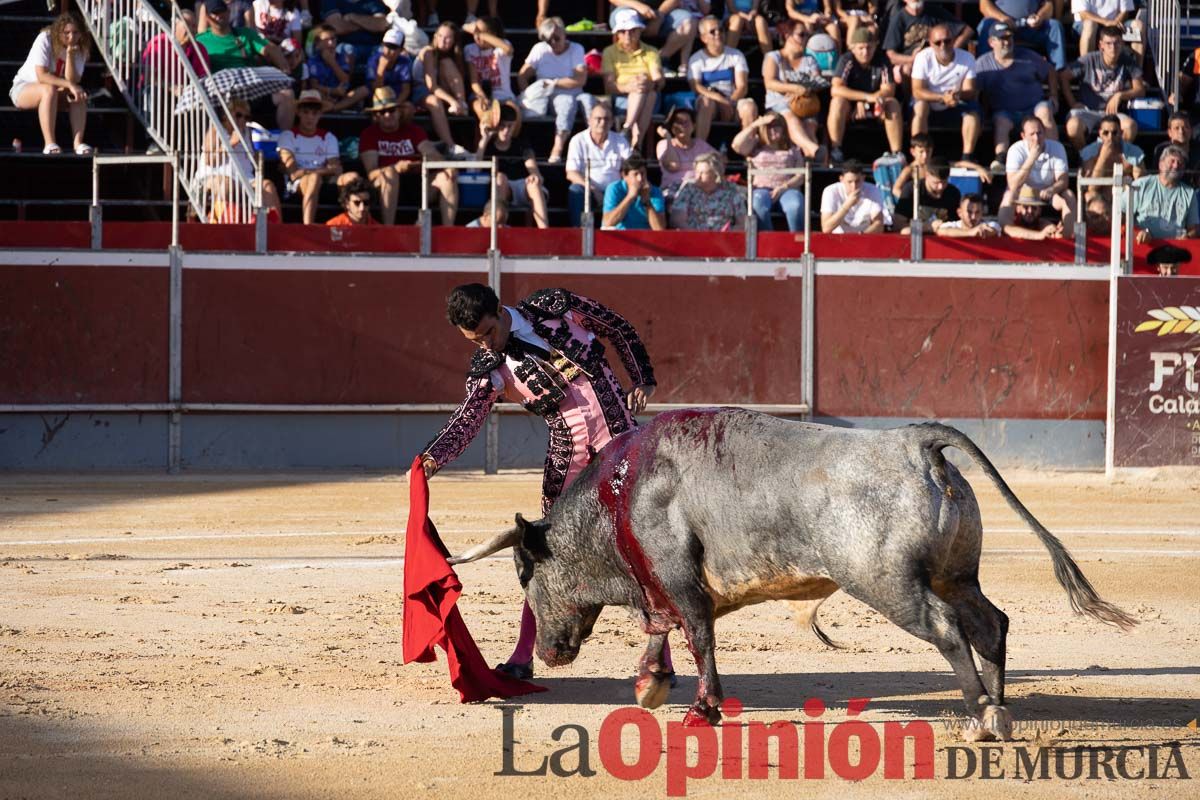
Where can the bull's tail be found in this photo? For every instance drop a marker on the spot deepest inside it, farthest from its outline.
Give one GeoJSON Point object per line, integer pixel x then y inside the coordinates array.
{"type": "Point", "coordinates": [1083, 597]}
{"type": "Point", "coordinates": [806, 615]}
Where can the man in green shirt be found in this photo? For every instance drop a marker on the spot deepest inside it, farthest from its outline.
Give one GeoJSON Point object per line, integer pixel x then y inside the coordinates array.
{"type": "Point", "coordinates": [1164, 207]}
{"type": "Point", "coordinates": [231, 48]}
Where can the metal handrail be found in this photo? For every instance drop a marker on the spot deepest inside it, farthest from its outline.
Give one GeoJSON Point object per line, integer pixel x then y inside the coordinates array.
{"type": "Point", "coordinates": [751, 220]}
{"type": "Point", "coordinates": [1164, 39]}
{"type": "Point", "coordinates": [221, 185]}
{"type": "Point", "coordinates": [425, 212]}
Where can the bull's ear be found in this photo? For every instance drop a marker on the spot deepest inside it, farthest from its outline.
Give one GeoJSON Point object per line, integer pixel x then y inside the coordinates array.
{"type": "Point", "coordinates": [533, 537]}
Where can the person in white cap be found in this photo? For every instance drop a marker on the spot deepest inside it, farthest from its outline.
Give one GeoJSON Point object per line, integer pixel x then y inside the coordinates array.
{"type": "Point", "coordinates": [389, 65]}
{"type": "Point", "coordinates": [633, 75]}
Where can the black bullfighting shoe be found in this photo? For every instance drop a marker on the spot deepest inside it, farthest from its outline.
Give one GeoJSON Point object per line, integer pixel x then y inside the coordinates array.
{"type": "Point", "coordinates": [521, 672]}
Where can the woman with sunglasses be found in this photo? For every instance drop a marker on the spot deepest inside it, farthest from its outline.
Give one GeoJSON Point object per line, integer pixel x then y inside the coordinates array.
{"type": "Point", "coordinates": [788, 73]}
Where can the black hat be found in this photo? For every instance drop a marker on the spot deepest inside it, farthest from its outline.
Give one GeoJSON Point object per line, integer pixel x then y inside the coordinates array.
{"type": "Point", "coordinates": [1169, 254]}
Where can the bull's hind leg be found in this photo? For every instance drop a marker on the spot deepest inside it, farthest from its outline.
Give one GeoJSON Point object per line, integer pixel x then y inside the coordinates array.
{"type": "Point", "coordinates": [915, 608]}
{"type": "Point", "coordinates": [986, 628]}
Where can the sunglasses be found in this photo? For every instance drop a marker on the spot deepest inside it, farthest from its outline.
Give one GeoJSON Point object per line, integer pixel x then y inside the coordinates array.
{"type": "Point", "coordinates": [356, 201]}
{"type": "Point", "coordinates": [1109, 133]}
{"type": "Point", "coordinates": [940, 42]}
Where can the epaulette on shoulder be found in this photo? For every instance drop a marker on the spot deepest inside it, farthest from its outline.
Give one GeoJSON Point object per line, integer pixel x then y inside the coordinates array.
{"type": "Point", "coordinates": [546, 303]}
{"type": "Point", "coordinates": [483, 362]}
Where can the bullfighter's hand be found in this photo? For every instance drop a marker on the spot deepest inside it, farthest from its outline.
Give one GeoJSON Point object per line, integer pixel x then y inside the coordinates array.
{"type": "Point", "coordinates": [638, 397]}
{"type": "Point", "coordinates": [429, 465]}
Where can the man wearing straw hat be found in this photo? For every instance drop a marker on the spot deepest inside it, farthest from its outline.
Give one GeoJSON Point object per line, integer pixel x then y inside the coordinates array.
{"type": "Point", "coordinates": [391, 148]}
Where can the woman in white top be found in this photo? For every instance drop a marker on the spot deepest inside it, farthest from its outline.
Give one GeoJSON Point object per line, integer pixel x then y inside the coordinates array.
{"type": "Point", "coordinates": [489, 64]}
{"type": "Point", "coordinates": [52, 71]}
{"type": "Point", "coordinates": [553, 78]}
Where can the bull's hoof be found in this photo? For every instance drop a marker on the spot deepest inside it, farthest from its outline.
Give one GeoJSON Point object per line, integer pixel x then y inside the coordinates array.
{"type": "Point", "coordinates": [994, 723]}
{"type": "Point", "coordinates": [653, 688]}
{"type": "Point", "coordinates": [701, 714]}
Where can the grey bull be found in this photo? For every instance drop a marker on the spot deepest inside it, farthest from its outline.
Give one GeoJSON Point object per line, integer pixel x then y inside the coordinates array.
{"type": "Point", "coordinates": [702, 512]}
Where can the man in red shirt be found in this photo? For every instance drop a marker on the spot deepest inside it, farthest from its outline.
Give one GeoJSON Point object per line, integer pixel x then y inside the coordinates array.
{"type": "Point", "coordinates": [390, 150]}
{"type": "Point", "coordinates": [355, 197]}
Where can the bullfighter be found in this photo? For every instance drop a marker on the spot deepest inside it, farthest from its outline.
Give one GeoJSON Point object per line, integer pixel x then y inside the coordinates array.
{"type": "Point", "coordinates": [545, 352]}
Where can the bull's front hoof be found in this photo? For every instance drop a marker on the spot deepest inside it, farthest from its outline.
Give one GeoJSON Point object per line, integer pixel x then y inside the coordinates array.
{"type": "Point", "coordinates": [975, 732]}
{"type": "Point", "coordinates": [701, 714]}
{"type": "Point", "coordinates": [998, 721]}
{"type": "Point", "coordinates": [653, 688]}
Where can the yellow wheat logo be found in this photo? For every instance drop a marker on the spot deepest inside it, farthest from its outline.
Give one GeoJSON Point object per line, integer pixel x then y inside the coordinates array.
{"type": "Point", "coordinates": [1173, 319]}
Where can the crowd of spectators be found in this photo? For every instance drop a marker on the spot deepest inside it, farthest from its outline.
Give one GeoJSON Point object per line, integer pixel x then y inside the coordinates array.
{"type": "Point", "coordinates": [909, 67]}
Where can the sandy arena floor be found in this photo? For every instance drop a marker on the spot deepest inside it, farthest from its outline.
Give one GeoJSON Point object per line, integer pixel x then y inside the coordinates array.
{"type": "Point", "coordinates": [213, 636]}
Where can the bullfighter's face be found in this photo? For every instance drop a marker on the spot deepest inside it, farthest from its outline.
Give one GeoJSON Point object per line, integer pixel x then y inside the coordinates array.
{"type": "Point", "coordinates": [491, 333]}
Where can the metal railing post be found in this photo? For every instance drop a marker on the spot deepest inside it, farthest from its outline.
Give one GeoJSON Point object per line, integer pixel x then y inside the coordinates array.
{"type": "Point", "coordinates": [916, 229]}
{"type": "Point", "coordinates": [424, 219]}
{"type": "Point", "coordinates": [95, 214]}
{"type": "Point", "coordinates": [809, 327]}
{"type": "Point", "coordinates": [1080, 226]}
{"type": "Point", "coordinates": [807, 206]}
{"type": "Point", "coordinates": [751, 227]}
{"type": "Point", "coordinates": [585, 220]}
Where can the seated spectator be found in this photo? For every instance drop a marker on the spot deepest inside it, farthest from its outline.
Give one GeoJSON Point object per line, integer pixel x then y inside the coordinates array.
{"type": "Point", "coordinates": [1098, 215]}
{"type": "Point", "coordinates": [390, 66]}
{"type": "Point", "coordinates": [362, 19]}
{"type": "Point", "coordinates": [766, 145]}
{"type": "Point", "coordinates": [52, 72]}
{"type": "Point", "coordinates": [220, 164]}
{"type": "Point", "coordinates": [751, 16]}
{"type": "Point", "coordinates": [1033, 21]}
{"type": "Point", "coordinates": [1010, 82]}
{"type": "Point", "coordinates": [1099, 157]}
{"type": "Point", "coordinates": [1179, 133]}
{"type": "Point", "coordinates": [863, 89]}
{"type": "Point", "coordinates": [719, 75]}
{"type": "Point", "coordinates": [970, 223]}
{"type": "Point", "coordinates": [908, 33]}
{"type": "Point", "coordinates": [792, 77]}
{"type": "Point", "coordinates": [1039, 164]}
{"type": "Point", "coordinates": [921, 150]}
{"type": "Point", "coordinates": [391, 149]}
{"type": "Point", "coordinates": [855, 14]}
{"type": "Point", "coordinates": [678, 148]}
{"type": "Point", "coordinates": [1092, 15]}
{"type": "Point", "coordinates": [274, 20]}
{"type": "Point", "coordinates": [938, 201]}
{"type": "Point", "coordinates": [633, 203]}
{"type": "Point", "coordinates": [330, 70]}
{"type": "Point", "coordinates": [812, 15]}
{"type": "Point", "coordinates": [1029, 221]}
{"type": "Point", "coordinates": [594, 160]}
{"type": "Point", "coordinates": [473, 9]}
{"type": "Point", "coordinates": [709, 203]}
{"type": "Point", "coordinates": [851, 205]}
{"type": "Point", "coordinates": [241, 15]}
{"type": "Point", "coordinates": [438, 83]}
{"type": "Point", "coordinates": [229, 48]}
{"type": "Point", "coordinates": [943, 88]}
{"type": "Point", "coordinates": [489, 64]}
{"type": "Point", "coordinates": [309, 156]}
{"type": "Point", "coordinates": [1108, 80]}
{"type": "Point", "coordinates": [158, 55]}
{"type": "Point", "coordinates": [552, 78]}
{"type": "Point", "coordinates": [484, 220]}
{"type": "Point", "coordinates": [632, 76]}
{"type": "Point", "coordinates": [518, 180]}
{"type": "Point", "coordinates": [679, 17]}
{"type": "Point", "coordinates": [355, 200]}
{"type": "Point", "coordinates": [1164, 207]}
{"type": "Point", "coordinates": [1166, 259]}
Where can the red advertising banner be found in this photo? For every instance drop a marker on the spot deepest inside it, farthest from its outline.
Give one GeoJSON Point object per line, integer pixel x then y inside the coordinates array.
{"type": "Point", "coordinates": [1158, 378]}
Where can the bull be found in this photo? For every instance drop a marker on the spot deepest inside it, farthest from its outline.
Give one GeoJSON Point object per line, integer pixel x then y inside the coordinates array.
{"type": "Point", "coordinates": [702, 512]}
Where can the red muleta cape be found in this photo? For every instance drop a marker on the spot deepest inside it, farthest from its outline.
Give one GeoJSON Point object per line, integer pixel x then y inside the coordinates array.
{"type": "Point", "coordinates": [431, 616]}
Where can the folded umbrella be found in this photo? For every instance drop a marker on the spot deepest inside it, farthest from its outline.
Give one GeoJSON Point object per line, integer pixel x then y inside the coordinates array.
{"type": "Point", "coordinates": [431, 616]}
{"type": "Point", "coordinates": [244, 83]}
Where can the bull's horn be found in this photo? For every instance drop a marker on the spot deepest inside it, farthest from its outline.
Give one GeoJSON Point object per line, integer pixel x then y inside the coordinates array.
{"type": "Point", "coordinates": [498, 542]}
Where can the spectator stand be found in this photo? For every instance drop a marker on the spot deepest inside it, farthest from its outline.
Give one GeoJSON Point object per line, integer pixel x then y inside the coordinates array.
{"type": "Point", "coordinates": [752, 218]}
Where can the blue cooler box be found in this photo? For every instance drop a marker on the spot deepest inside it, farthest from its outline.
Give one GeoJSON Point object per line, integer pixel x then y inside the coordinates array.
{"type": "Point", "coordinates": [1147, 113]}
{"type": "Point", "coordinates": [474, 188]}
{"type": "Point", "coordinates": [967, 181]}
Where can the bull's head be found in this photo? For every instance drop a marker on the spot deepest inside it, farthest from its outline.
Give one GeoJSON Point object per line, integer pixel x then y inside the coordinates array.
{"type": "Point", "coordinates": [562, 622]}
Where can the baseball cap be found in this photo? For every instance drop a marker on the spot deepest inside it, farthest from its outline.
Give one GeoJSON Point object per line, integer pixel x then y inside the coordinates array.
{"type": "Point", "coordinates": [216, 6]}
{"type": "Point", "coordinates": [1000, 30]}
{"type": "Point", "coordinates": [626, 19]}
{"type": "Point", "coordinates": [394, 36]}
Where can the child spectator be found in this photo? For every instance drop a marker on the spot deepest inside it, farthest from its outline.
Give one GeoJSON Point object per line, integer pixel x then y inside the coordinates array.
{"type": "Point", "coordinates": [709, 203]}
{"type": "Point", "coordinates": [489, 64]}
{"type": "Point", "coordinates": [355, 200]}
{"type": "Point", "coordinates": [719, 75]}
{"type": "Point", "coordinates": [309, 155]}
{"type": "Point", "coordinates": [938, 200]}
{"type": "Point", "coordinates": [330, 71]}
{"type": "Point", "coordinates": [390, 66]}
{"type": "Point", "coordinates": [863, 89]}
{"type": "Point", "coordinates": [766, 145]}
{"type": "Point", "coordinates": [552, 78]}
{"type": "Point", "coordinates": [851, 205]}
{"type": "Point", "coordinates": [633, 203]}
{"type": "Point", "coordinates": [52, 72]}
